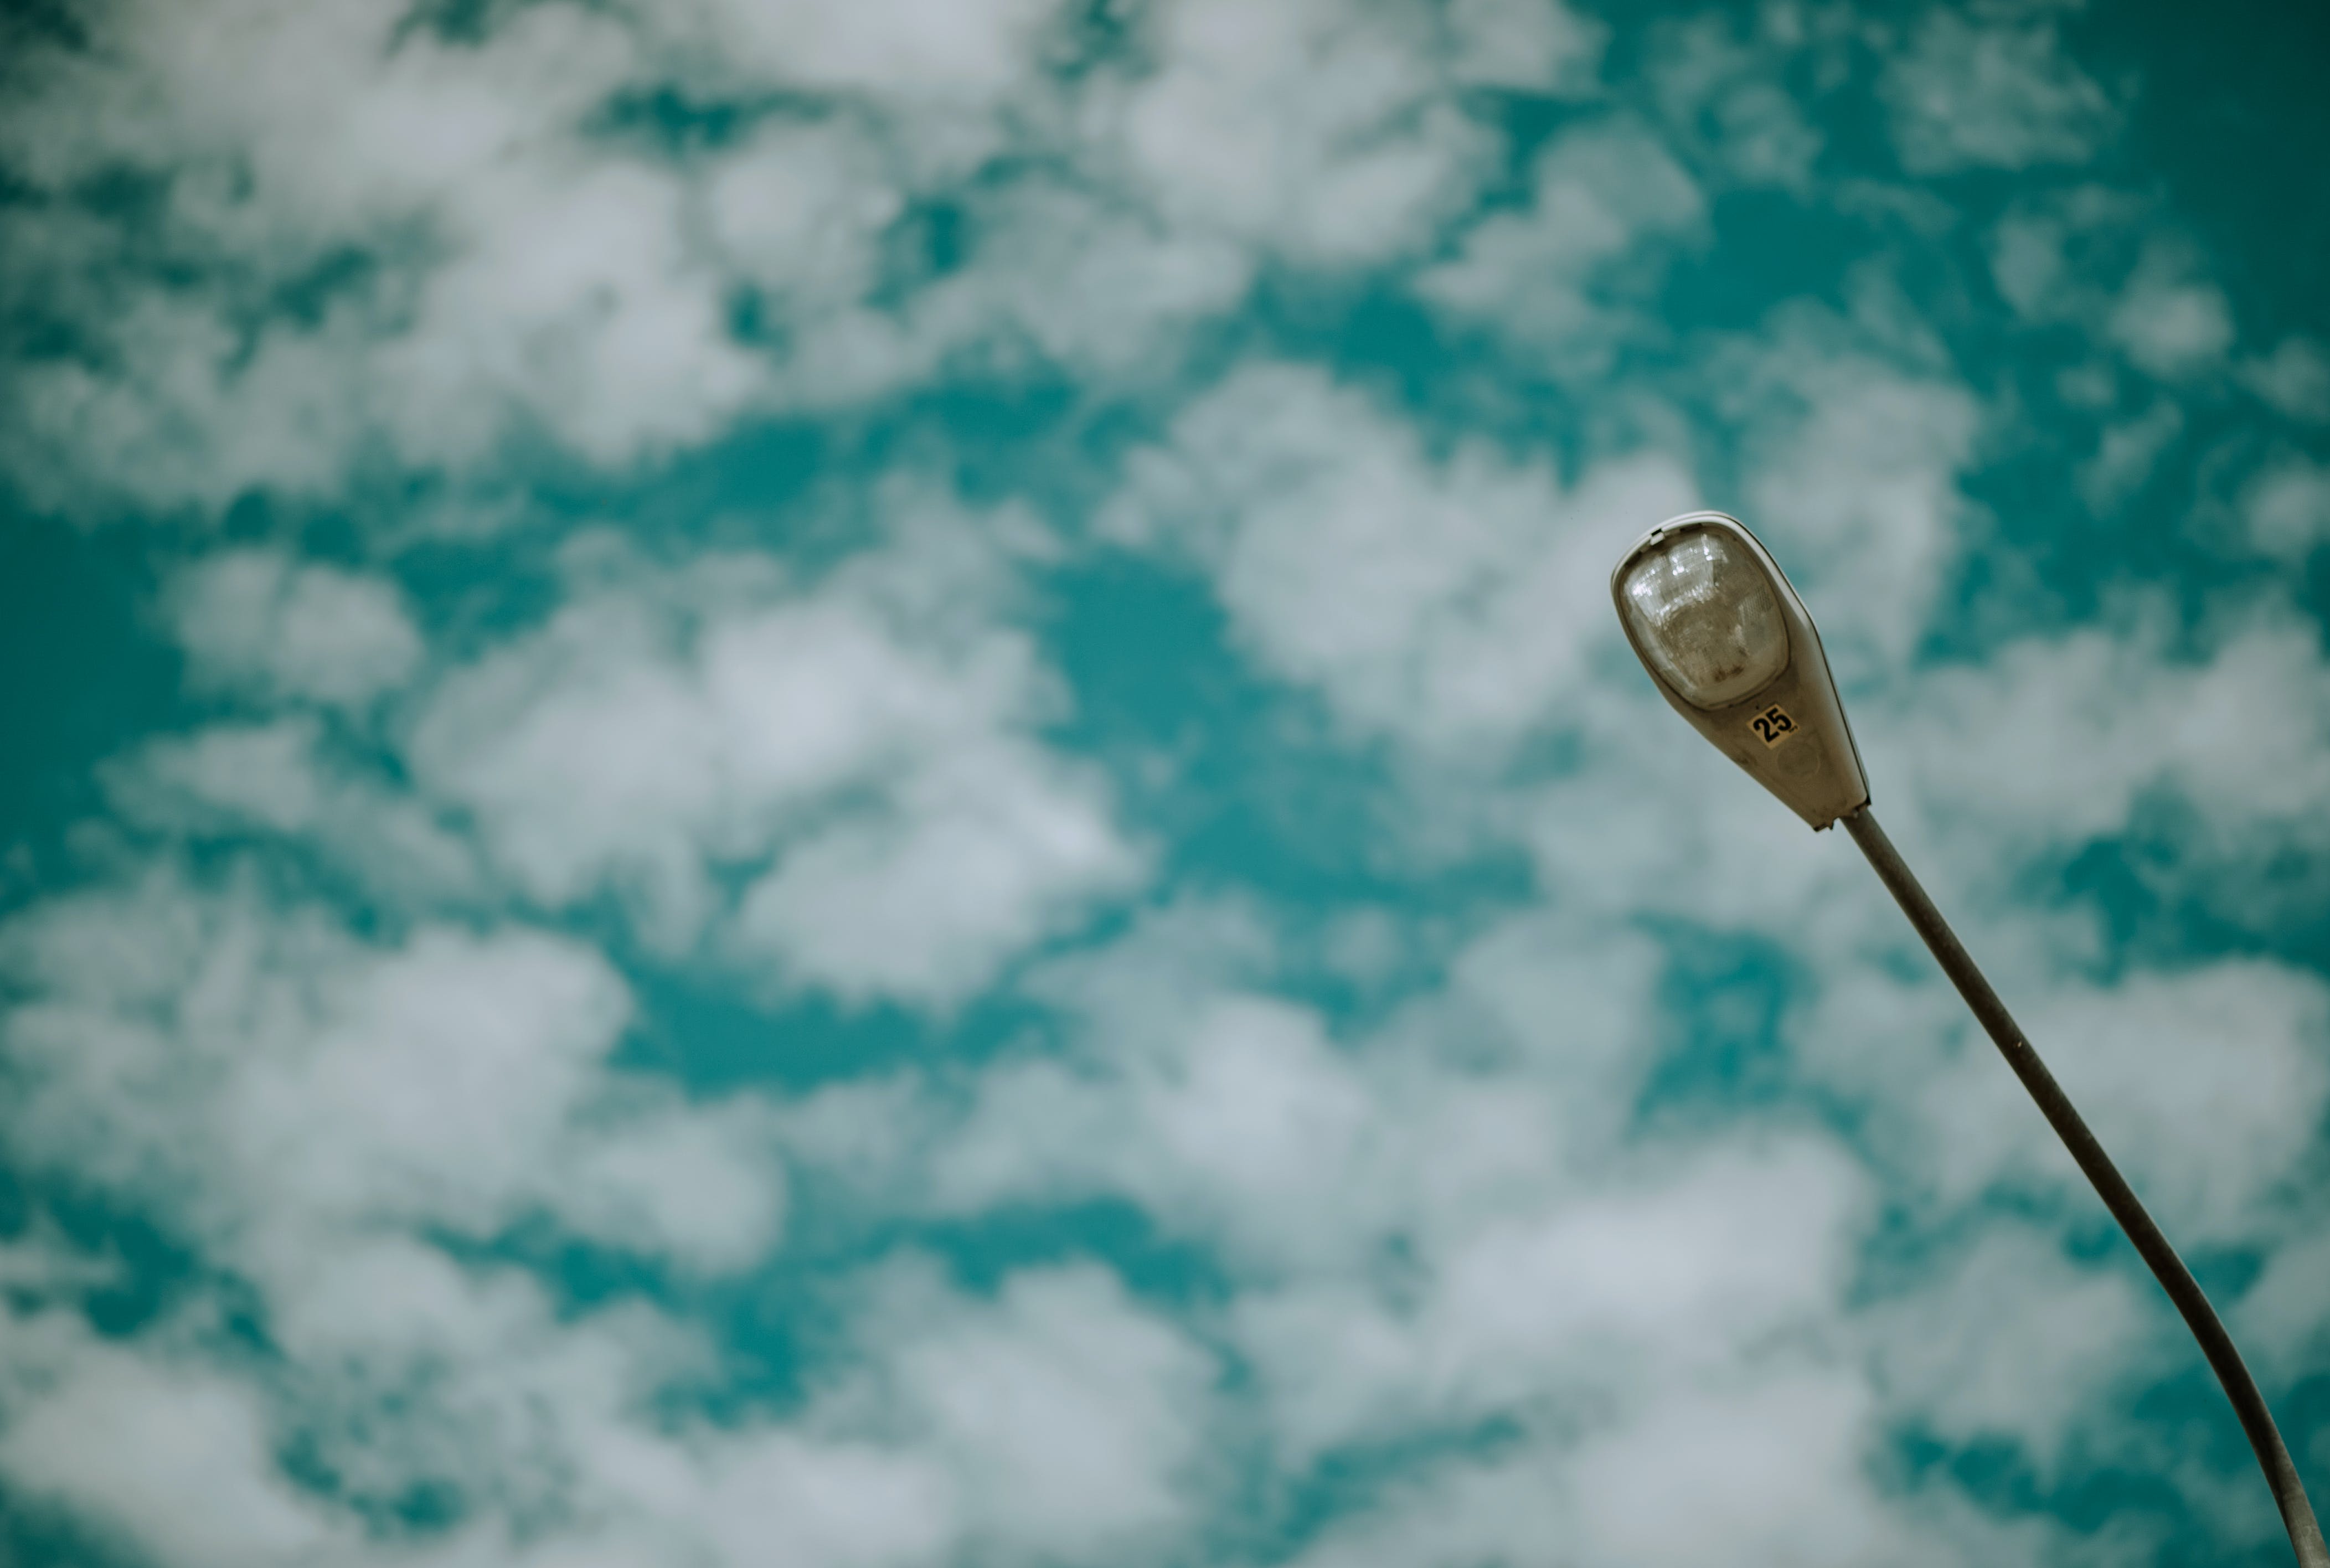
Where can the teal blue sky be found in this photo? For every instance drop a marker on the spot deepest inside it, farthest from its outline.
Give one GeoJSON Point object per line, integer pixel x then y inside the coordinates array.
{"type": "Point", "coordinates": [841, 785]}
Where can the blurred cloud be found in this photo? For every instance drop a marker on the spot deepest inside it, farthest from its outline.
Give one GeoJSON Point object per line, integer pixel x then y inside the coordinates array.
{"type": "Point", "coordinates": [249, 619]}
{"type": "Point", "coordinates": [1991, 91]}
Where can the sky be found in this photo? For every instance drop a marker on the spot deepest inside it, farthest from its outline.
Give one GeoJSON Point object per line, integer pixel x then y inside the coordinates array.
{"type": "Point", "coordinates": [847, 783]}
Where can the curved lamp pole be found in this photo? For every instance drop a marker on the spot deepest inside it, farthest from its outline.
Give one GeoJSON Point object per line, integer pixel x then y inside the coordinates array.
{"type": "Point", "coordinates": [1732, 650]}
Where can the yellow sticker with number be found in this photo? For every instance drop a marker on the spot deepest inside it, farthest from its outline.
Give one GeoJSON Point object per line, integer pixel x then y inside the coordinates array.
{"type": "Point", "coordinates": [1773, 726]}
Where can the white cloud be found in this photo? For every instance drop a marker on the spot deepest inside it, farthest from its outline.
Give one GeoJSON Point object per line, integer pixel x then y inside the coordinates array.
{"type": "Point", "coordinates": [1429, 1237]}
{"type": "Point", "coordinates": [801, 207]}
{"type": "Point", "coordinates": [2120, 267]}
{"type": "Point", "coordinates": [2051, 259]}
{"type": "Point", "coordinates": [266, 1083]}
{"type": "Point", "coordinates": [980, 854]}
{"type": "Point", "coordinates": [2242, 736]}
{"type": "Point", "coordinates": [1071, 1416]}
{"type": "Point", "coordinates": [776, 1496]}
{"type": "Point", "coordinates": [575, 306]}
{"type": "Point", "coordinates": [1560, 276]}
{"type": "Point", "coordinates": [2016, 1342]}
{"type": "Point", "coordinates": [38, 1262]}
{"type": "Point", "coordinates": [1316, 130]}
{"type": "Point", "coordinates": [1163, 189]}
{"type": "Point", "coordinates": [350, 121]}
{"type": "Point", "coordinates": [1765, 1457]}
{"type": "Point", "coordinates": [2127, 454]}
{"type": "Point", "coordinates": [2294, 380]}
{"type": "Point", "coordinates": [256, 621]}
{"type": "Point", "coordinates": [1722, 95]}
{"type": "Point", "coordinates": [2026, 259]}
{"type": "Point", "coordinates": [1242, 1125]}
{"type": "Point", "coordinates": [564, 300]}
{"type": "Point", "coordinates": [262, 774]}
{"type": "Point", "coordinates": [177, 1460]}
{"type": "Point", "coordinates": [1600, 1301]}
{"type": "Point", "coordinates": [398, 1371]}
{"type": "Point", "coordinates": [1539, 1277]}
{"type": "Point", "coordinates": [2171, 325]}
{"type": "Point", "coordinates": [1231, 1116]}
{"type": "Point", "coordinates": [869, 744]}
{"type": "Point", "coordinates": [1095, 283]}
{"type": "Point", "coordinates": [1449, 603]}
{"type": "Point", "coordinates": [973, 56]}
{"type": "Point", "coordinates": [1537, 45]}
{"type": "Point", "coordinates": [505, 271]}
{"type": "Point", "coordinates": [315, 1114]}
{"type": "Point", "coordinates": [1970, 95]}
{"type": "Point", "coordinates": [1772, 1470]}
{"type": "Point", "coordinates": [1778, 1469]}
{"type": "Point", "coordinates": [1056, 1421]}
{"type": "Point", "coordinates": [282, 778]}
{"type": "Point", "coordinates": [482, 262]}
{"type": "Point", "coordinates": [2286, 510]}
{"type": "Point", "coordinates": [1322, 134]}
{"type": "Point", "coordinates": [2278, 1319]}
{"type": "Point", "coordinates": [408, 1372]}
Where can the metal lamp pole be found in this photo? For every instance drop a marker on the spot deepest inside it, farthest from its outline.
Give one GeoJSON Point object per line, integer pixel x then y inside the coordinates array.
{"type": "Point", "coordinates": [2257, 1420]}
{"type": "Point", "coordinates": [1732, 649]}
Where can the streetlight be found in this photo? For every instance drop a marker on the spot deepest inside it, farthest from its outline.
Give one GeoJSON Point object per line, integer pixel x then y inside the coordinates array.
{"type": "Point", "coordinates": [1732, 650]}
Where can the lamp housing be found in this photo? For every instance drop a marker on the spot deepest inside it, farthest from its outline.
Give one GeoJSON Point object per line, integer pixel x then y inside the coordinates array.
{"type": "Point", "coordinates": [1729, 644]}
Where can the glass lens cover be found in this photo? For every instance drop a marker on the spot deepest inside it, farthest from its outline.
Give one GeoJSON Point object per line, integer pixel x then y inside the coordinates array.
{"type": "Point", "coordinates": [1706, 617]}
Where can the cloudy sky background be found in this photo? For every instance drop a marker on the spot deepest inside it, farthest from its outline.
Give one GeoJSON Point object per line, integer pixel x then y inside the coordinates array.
{"type": "Point", "coordinates": [842, 784]}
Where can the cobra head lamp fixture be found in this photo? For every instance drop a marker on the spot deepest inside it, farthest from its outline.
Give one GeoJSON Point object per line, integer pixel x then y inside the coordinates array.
{"type": "Point", "coordinates": [1714, 620]}
{"type": "Point", "coordinates": [1729, 643]}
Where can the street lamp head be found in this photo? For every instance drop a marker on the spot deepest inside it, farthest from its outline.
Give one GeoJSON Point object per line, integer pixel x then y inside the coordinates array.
{"type": "Point", "coordinates": [1704, 615]}
{"type": "Point", "coordinates": [1732, 650]}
